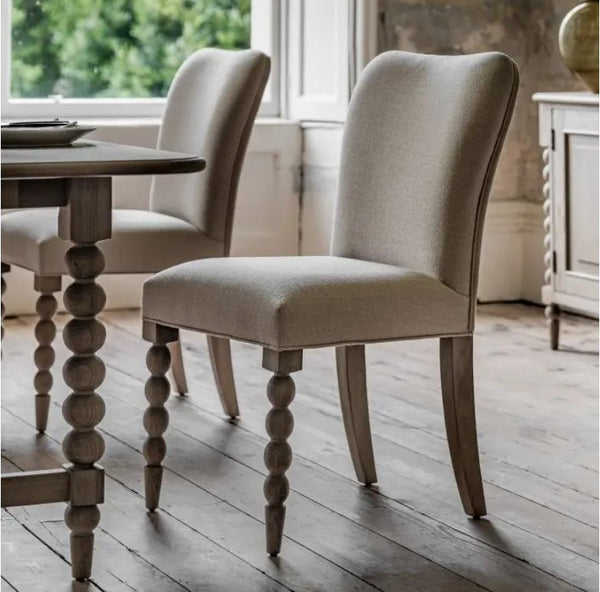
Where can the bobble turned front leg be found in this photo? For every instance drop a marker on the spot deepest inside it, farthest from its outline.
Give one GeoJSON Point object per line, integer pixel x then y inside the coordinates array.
{"type": "Point", "coordinates": [278, 454]}
{"type": "Point", "coordinates": [156, 417]}
{"type": "Point", "coordinates": [45, 332]}
{"type": "Point", "coordinates": [156, 421]}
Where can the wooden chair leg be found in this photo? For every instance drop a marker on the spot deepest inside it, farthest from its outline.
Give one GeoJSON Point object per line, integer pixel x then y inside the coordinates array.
{"type": "Point", "coordinates": [456, 364]}
{"type": "Point", "coordinates": [177, 368]}
{"type": "Point", "coordinates": [278, 454]}
{"type": "Point", "coordinates": [220, 359]}
{"type": "Point", "coordinates": [156, 417]}
{"type": "Point", "coordinates": [352, 383]}
{"type": "Point", "coordinates": [552, 313]}
{"type": "Point", "coordinates": [5, 269]}
{"type": "Point", "coordinates": [45, 332]}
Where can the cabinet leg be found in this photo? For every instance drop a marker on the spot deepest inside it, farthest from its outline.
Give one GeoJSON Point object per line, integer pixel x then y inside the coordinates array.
{"type": "Point", "coordinates": [552, 313]}
{"type": "Point", "coordinates": [5, 269]}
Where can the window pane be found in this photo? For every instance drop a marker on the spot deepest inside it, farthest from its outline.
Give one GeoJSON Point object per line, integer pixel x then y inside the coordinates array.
{"type": "Point", "coordinates": [115, 48]}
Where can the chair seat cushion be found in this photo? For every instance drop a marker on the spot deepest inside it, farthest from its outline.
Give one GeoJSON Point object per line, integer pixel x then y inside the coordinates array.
{"type": "Point", "coordinates": [299, 302]}
{"type": "Point", "coordinates": [142, 242]}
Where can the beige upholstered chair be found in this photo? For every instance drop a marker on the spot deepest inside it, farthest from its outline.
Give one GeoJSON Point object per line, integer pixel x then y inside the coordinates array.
{"type": "Point", "coordinates": [421, 143]}
{"type": "Point", "coordinates": [211, 107]}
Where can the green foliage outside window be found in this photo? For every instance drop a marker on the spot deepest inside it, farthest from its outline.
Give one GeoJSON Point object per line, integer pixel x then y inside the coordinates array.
{"type": "Point", "coordinates": [115, 48]}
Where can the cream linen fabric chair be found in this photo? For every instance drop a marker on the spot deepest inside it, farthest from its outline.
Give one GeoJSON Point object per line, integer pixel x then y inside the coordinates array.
{"type": "Point", "coordinates": [421, 143]}
{"type": "Point", "coordinates": [211, 107]}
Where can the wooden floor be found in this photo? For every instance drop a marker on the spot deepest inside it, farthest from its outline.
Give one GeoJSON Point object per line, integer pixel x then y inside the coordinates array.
{"type": "Point", "coordinates": [538, 426]}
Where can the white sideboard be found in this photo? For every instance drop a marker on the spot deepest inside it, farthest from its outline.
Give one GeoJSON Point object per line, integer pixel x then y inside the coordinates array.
{"type": "Point", "coordinates": [568, 132]}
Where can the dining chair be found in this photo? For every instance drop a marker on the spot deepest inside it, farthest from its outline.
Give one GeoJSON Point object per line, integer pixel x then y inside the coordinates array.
{"type": "Point", "coordinates": [210, 110]}
{"type": "Point", "coordinates": [421, 143]}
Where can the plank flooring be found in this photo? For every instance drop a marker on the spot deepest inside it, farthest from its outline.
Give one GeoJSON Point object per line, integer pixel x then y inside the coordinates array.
{"type": "Point", "coordinates": [538, 426]}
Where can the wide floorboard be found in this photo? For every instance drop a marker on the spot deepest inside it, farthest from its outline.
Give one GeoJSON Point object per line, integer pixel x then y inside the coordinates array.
{"type": "Point", "coordinates": [538, 425]}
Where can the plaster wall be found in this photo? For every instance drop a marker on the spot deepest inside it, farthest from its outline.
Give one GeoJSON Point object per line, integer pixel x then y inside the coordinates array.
{"type": "Point", "coordinates": [526, 30]}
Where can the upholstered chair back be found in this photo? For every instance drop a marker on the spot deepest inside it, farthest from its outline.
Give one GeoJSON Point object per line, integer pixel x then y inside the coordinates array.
{"type": "Point", "coordinates": [421, 142]}
{"type": "Point", "coordinates": [210, 111]}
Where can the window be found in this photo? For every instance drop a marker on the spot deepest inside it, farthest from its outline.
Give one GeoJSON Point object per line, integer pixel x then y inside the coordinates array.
{"type": "Point", "coordinates": [118, 57]}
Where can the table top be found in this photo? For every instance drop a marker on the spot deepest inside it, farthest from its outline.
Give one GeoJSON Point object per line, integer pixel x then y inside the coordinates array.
{"type": "Point", "coordinates": [95, 159]}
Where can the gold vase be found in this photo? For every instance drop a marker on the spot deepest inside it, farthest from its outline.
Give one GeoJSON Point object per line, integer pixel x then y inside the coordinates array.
{"type": "Point", "coordinates": [578, 42]}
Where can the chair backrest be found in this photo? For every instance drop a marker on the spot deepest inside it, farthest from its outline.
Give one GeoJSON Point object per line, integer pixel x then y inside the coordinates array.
{"type": "Point", "coordinates": [210, 111]}
{"type": "Point", "coordinates": [420, 148]}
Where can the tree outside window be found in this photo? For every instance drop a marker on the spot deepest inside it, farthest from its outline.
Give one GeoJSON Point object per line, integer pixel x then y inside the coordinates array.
{"type": "Point", "coordinates": [115, 48]}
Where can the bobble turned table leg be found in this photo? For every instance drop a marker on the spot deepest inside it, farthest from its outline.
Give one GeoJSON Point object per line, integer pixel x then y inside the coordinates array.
{"type": "Point", "coordinates": [83, 409]}
{"type": "Point", "coordinates": [84, 220]}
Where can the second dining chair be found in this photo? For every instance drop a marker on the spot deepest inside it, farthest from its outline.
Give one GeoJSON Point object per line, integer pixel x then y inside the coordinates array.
{"type": "Point", "coordinates": [210, 111]}
{"type": "Point", "coordinates": [421, 143]}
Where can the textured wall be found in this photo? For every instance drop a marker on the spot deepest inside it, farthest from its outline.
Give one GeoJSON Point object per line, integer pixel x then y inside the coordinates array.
{"type": "Point", "coordinates": [527, 30]}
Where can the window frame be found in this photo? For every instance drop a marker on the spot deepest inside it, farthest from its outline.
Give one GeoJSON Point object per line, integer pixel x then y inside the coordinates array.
{"type": "Point", "coordinates": [269, 40]}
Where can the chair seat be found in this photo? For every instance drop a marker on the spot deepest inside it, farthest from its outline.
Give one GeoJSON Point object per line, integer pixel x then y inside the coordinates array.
{"type": "Point", "coordinates": [142, 242]}
{"type": "Point", "coordinates": [299, 302]}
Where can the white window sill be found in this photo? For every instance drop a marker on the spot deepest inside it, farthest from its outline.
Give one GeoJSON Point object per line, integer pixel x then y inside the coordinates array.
{"type": "Point", "coordinates": [151, 121]}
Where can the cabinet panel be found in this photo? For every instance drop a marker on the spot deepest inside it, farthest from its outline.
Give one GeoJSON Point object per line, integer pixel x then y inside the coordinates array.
{"type": "Point", "coordinates": [574, 188]}
{"type": "Point", "coordinates": [582, 204]}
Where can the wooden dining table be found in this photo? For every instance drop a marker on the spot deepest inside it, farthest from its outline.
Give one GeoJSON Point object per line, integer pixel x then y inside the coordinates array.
{"type": "Point", "coordinates": [78, 179]}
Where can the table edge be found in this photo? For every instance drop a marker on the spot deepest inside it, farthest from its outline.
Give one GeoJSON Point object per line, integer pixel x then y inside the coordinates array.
{"type": "Point", "coordinates": [192, 164]}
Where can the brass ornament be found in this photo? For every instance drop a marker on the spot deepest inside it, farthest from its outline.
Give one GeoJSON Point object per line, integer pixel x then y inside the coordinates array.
{"type": "Point", "coordinates": [578, 42]}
